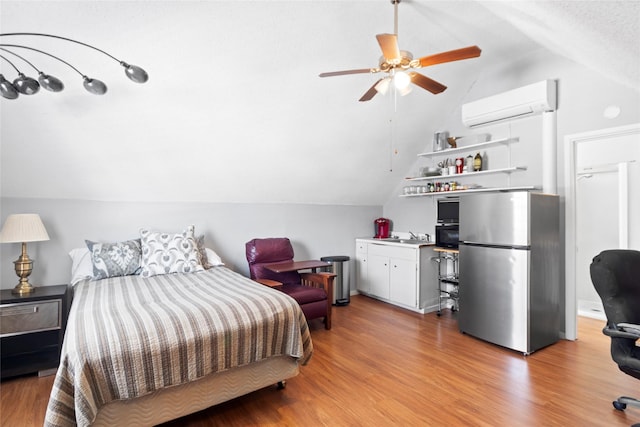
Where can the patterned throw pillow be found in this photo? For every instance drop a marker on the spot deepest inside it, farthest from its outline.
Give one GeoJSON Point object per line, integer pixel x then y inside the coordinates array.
{"type": "Point", "coordinates": [164, 253]}
{"type": "Point", "coordinates": [202, 252]}
{"type": "Point", "coordinates": [114, 259]}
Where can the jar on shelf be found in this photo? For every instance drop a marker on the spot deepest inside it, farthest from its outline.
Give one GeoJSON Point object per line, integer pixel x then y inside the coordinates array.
{"type": "Point", "coordinates": [468, 165]}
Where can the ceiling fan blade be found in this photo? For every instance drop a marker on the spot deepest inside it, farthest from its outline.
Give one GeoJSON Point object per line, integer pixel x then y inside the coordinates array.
{"type": "Point", "coordinates": [389, 45]}
{"type": "Point", "coordinates": [426, 83]}
{"type": "Point", "coordinates": [370, 93]}
{"type": "Point", "coordinates": [343, 73]}
{"type": "Point", "coordinates": [451, 55]}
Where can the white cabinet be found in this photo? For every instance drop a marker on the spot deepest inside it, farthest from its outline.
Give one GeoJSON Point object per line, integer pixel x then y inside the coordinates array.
{"type": "Point", "coordinates": [400, 274]}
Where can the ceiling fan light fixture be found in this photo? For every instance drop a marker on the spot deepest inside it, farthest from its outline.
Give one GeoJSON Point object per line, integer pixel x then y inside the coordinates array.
{"type": "Point", "coordinates": [401, 80]}
{"type": "Point", "coordinates": [383, 85]}
{"type": "Point", "coordinates": [405, 90]}
{"type": "Point", "coordinates": [399, 65]}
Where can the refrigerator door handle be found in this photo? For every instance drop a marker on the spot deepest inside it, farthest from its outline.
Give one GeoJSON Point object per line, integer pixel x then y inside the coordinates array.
{"type": "Point", "coordinates": [485, 245]}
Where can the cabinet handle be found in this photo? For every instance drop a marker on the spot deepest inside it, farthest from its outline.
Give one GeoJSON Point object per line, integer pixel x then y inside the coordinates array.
{"type": "Point", "coordinates": [16, 311]}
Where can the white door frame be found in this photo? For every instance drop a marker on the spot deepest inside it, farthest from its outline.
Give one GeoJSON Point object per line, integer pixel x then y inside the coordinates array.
{"type": "Point", "coordinates": [571, 143]}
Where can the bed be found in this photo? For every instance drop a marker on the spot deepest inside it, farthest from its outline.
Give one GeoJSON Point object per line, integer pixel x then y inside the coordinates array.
{"type": "Point", "coordinates": [144, 350]}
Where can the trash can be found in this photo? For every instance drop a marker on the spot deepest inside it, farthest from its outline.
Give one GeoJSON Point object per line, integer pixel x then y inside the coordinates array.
{"type": "Point", "coordinates": [340, 267]}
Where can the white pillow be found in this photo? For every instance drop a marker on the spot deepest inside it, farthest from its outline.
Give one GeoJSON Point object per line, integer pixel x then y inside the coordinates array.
{"type": "Point", "coordinates": [81, 265]}
{"type": "Point", "coordinates": [208, 257]}
{"type": "Point", "coordinates": [213, 259]}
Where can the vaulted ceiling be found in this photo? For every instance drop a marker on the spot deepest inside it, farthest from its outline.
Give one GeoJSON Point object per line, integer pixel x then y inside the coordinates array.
{"type": "Point", "coordinates": [234, 110]}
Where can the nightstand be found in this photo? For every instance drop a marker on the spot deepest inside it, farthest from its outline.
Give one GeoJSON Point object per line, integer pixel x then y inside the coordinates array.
{"type": "Point", "coordinates": [31, 330]}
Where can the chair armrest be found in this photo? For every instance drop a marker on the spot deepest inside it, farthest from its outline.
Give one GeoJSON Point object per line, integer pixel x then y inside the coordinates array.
{"type": "Point", "coordinates": [623, 330]}
{"type": "Point", "coordinates": [630, 328]}
{"type": "Point", "coordinates": [325, 281]}
{"type": "Point", "coordinates": [269, 282]}
{"type": "Point", "coordinates": [319, 280]}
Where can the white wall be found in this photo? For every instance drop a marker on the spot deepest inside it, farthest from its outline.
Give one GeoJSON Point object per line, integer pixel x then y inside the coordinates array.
{"type": "Point", "coordinates": [582, 97]}
{"type": "Point", "coordinates": [315, 230]}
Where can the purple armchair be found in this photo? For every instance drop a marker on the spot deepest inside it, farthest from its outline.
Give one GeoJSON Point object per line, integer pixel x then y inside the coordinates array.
{"type": "Point", "coordinates": [312, 291]}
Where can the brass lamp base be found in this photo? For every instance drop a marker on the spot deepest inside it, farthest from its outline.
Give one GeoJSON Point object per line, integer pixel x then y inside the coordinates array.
{"type": "Point", "coordinates": [24, 266]}
{"type": "Point", "coordinates": [23, 289]}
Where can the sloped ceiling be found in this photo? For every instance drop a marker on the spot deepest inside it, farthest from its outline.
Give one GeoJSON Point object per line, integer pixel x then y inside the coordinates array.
{"type": "Point", "coordinates": [234, 110]}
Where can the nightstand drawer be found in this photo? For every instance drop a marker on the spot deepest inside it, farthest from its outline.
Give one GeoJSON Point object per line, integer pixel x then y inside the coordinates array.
{"type": "Point", "coordinates": [28, 317]}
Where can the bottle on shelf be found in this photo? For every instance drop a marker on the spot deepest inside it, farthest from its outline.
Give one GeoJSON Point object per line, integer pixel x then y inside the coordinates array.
{"type": "Point", "coordinates": [477, 163]}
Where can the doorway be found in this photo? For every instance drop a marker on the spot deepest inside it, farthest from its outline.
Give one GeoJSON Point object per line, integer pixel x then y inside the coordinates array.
{"type": "Point", "coordinates": [602, 173]}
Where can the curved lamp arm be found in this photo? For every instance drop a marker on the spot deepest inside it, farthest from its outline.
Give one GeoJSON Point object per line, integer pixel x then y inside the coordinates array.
{"type": "Point", "coordinates": [133, 72]}
{"type": "Point", "coordinates": [28, 86]}
{"type": "Point", "coordinates": [94, 86]}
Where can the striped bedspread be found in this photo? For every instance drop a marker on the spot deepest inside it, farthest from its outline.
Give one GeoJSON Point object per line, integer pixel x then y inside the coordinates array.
{"type": "Point", "coordinates": [129, 336]}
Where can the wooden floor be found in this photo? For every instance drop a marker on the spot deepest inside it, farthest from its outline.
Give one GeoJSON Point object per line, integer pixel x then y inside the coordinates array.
{"type": "Point", "coordinates": [381, 365]}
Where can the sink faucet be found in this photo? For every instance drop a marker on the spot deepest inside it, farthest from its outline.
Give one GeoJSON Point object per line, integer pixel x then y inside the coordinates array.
{"type": "Point", "coordinates": [413, 236]}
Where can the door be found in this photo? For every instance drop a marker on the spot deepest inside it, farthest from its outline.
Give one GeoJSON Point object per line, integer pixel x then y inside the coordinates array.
{"type": "Point", "coordinates": [598, 226]}
{"type": "Point", "coordinates": [602, 209]}
{"type": "Point", "coordinates": [493, 295]}
{"type": "Point", "coordinates": [495, 218]}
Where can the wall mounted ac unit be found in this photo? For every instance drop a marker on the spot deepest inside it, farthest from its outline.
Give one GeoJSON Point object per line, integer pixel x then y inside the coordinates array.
{"type": "Point", "coordinates": [521, 102]}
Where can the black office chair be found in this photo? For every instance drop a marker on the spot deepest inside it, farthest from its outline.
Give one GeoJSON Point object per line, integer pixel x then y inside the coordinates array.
{"type": "Point", "coordinates": [616, 276]}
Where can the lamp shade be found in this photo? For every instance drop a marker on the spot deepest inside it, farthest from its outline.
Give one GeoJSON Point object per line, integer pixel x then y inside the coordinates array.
{"type": "Point", "coordinates": [20, 228]}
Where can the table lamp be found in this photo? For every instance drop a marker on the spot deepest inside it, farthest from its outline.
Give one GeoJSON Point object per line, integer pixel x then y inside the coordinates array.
{"type": "Point", "coordinates": [23, 228]}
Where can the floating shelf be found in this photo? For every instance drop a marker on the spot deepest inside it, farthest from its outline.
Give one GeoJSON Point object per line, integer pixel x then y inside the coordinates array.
{"type": "Point", "coordinates": [473, 190]}
{"type": "Point", "coordinates": [471, 147]}
{"type": "Point", "coordinates": [467, 174]}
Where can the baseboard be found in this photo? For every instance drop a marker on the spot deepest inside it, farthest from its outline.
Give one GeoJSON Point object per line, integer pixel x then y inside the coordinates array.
{"type": "Point", "coordinates": [592, 309]}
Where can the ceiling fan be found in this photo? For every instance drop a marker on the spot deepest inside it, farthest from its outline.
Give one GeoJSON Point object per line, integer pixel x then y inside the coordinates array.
{"type": "Point", "coordinates": [399, 65]}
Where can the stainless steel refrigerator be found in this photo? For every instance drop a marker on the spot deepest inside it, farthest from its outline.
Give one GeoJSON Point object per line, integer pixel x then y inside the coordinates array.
{"type": "Point", "coordinates": [509, 279]}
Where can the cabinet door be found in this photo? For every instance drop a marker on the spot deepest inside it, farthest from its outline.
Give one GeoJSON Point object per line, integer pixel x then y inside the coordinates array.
{"type": "Point", "coordinates": [403, 281]}
{"type": "Point", "coordinates": [362, 281]}
{"type": "Point", "coordinates": [378, 275]}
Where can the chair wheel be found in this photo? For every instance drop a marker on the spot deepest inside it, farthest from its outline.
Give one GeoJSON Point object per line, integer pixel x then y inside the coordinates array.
{"type": "Point", "coordinates": [439, 314]}
{"type": "Point", "coordinates": [619, 405]}
{"type": "Point", "coordinates": [281, 385]}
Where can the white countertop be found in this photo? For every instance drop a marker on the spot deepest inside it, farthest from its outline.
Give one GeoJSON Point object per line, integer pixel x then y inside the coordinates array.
{"type": "Point", "coordinates": [412, 243]}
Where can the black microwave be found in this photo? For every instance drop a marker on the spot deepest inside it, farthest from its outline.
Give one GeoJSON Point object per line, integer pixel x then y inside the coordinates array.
{"type": "Point", "coordinates": [448, 211]}
{"type": "Point", "coordinates": [447, 236]}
